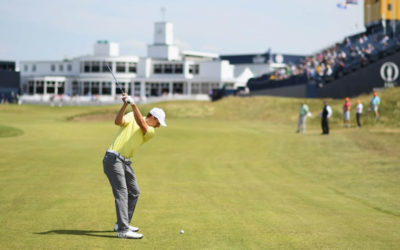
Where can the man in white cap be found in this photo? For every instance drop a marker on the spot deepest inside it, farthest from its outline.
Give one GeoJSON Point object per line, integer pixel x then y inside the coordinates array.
{"type": "Point", "coordinates": [133, 132]}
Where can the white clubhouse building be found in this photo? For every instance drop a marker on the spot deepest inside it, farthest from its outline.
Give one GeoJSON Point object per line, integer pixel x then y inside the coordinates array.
{"type": "Point", "coordinates": [166, 72]}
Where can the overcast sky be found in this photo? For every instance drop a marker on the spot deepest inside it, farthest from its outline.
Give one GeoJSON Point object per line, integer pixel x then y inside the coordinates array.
{"type": "Point", "coordinates": [58, 29]}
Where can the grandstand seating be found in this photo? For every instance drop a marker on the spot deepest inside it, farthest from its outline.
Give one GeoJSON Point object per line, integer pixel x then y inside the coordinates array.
{"type": "Point", "coordinates": [352, 54]}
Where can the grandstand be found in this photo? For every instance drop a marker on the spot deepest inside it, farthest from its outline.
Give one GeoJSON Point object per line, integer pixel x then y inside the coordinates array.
{"type": "Point", "coordinates": [349, 68]}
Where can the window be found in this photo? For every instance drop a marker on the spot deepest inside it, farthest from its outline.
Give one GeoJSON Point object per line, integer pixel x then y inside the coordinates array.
{"type": "Point", "coordinates": [205, 88]}
{"type": "Point", "coordinates": [168, 68]}
{"type": "Point", "coordinates": [34, 68]}
{"type": "Point", "coordinates": [51, 87]}
{"type": "Point", "coordinates": [76, 90]}
{"type": "Point", "coordinates": [39, 87]}
{"type": "Point", "coordinates": [30, 87]}
{"type": "Point", "coordinates": [194, 69]}
{"type": "Point", "coordinates": [86, 67]}
{"type": "Point", "coordinates": [25, 68]}
{"type": "Point", "coordinates": [106, 88]}
{"type": "Point", "coordinates": [137, 89]}
{"type": "Point", "coordinates": [105, 68]}
{"type": "Point", "coordinates": [178, 68]}
{"type": "Point", "coordinates": [195, 88]}
{"type": "Point", "coordinates": [118, 90]}
{"type": "Point", "coordinates": [132, 67]}
{"type": "Point", "coordinates": [154, 89]}
{"type": "Point", "coordinates": [389, 7]}
{"type": "Point", "coordinates": [215, 85]}
{"type": "Point", "coordinates": [53, 68]}
{"type": "Point", "coordinates": [60, 88]}
{"type": "Point", "coordinates": [164, 88]}
{"type": "Point", "coordinates": [61, 67]}
{"type": "Point", "coordinates": [121, 67]}
{"type": "Point", "coordinates": [177, 88]}
{"type": "Point", "coordinates": [95, 66]}
{"type": "Point", "coordinates": [157, 69]}
{"type": "Point", "coordinates": [95, 88]}
{"type": "Point", "coordinates": [86, 88]}
{"type": "Point", "coordinates": [69, 67]}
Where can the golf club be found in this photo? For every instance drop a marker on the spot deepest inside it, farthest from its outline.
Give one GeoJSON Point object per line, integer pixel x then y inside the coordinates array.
{"type": "Point", "coordinates": [116, 81]}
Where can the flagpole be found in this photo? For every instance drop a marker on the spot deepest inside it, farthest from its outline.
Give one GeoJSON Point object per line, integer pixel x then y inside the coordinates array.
{"type": "Point", "coordinates": [383, 16]}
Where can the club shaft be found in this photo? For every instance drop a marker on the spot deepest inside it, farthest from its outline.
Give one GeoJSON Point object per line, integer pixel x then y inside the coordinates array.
{"type": "Point", "coordinates": [115, 79]}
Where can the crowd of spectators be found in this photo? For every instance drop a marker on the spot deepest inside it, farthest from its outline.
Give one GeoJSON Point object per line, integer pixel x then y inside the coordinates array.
{"type": "Point", "coordinates": [342, 58]}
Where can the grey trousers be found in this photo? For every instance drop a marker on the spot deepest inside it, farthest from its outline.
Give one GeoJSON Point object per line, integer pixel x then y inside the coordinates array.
{"type": "Point", "coordinates": [124, 187]}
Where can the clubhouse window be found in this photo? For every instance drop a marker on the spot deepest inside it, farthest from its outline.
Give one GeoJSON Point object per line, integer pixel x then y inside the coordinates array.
{"type": "Point", "coordinates": [51, 87]}
{"type": "Point", "coordinates": [168, 68]}
{"type": "Point", "coordinates": [157, 68]}
{"type": "Point", "coordinates": [95, 88]}
{"type": "Point", "coordinates": [121, 67]}
{"type": "Point", "coordinates": [194, 69]}
{"type": "Point", "coordinates": [25, 68]}
{"type": "Point", "coordinates": [132, 67]}
{"type": "Point", "coordinates": [105, 68]}
{"type": "Point", "coordinates": [118, 90]}
{"type": "Point", "coordinates": [106, 88]}
{"type": "Point", "coordinates": [95, 66]}
{"type": "Point", "coordinates": [178, 68]}
{"type": "Point", "coordinates": [86, 67]}
{"type": "Point", "coordinates": [53, 68]}
{"type": "Point", "coordinates": [31, 87]}
{"type": "Point", "coordinates": [60, 88]}
{"type": "Point", "coordinates": [34, 68]}
{"type": "Point", "coordinates": [195, 88]}
{"type": "Point", "coordinates": [69, 67]}
{"type": "Point", "coordinates": [86, 88]}
{"type": "Point", "coordinates": [39, 87]}
{"type": "Point", "coordinates": [76, 90]}
{"type": "Point", "coordinates": [137, 89]}
{"type": "Point", "coordinates": [61, 67]}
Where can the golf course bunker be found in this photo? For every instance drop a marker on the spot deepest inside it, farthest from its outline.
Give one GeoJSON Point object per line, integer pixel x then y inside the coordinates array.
{"type": "Point", "coordinates": [7, 131]}
{"type": "Point", "coordinates": [94, 117]}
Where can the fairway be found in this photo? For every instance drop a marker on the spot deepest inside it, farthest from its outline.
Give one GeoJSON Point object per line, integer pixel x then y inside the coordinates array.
{"type": "Point", "coordinates": [232, 174]}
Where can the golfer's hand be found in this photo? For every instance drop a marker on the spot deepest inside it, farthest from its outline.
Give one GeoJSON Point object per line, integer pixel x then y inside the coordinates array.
{"type": "Point", "coordinates": [127, 99]}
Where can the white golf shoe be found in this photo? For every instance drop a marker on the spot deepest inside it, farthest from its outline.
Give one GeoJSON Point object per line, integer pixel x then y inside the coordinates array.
{"type": "Point", "coordinates": [129, 235]}
{"type": "Point", "coordinates": [130, 228]}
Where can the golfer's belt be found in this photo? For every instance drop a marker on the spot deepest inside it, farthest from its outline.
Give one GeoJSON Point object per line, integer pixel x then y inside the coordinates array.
{"type": "Point", "coordinates": [127, 160]}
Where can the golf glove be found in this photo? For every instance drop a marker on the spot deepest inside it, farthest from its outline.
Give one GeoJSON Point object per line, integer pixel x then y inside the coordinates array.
{"type": "Point", "coordinates": [129, 100]}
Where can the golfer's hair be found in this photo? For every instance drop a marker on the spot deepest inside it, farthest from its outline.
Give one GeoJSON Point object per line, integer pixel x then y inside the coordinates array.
{"type": "Point", "coordinates": [149, 115]}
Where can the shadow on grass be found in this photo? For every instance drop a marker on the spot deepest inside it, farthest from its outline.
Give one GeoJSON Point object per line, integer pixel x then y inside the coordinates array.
{"type": "Point", "coordinates": [91, 233]}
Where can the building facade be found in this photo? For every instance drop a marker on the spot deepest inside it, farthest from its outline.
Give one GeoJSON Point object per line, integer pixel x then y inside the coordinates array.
{"type": "Point", "coordinates": [166, 71]}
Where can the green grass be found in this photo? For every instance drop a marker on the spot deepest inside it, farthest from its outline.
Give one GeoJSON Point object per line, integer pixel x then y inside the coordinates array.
{"type": "Point", "coordinates": [233, 174]}
{"type": "Point", "coordinates": [6, 131]}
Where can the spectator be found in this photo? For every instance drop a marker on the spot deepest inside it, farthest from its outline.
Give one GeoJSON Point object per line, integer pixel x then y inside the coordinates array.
{"type": "Point", "coordinates": [304, 112]}
{"type": "Point", "coordinates": [346, 112]}
{"type": "Point", "coordinates": [384, 40]}
{"type": "Point", "coordinates": [375, 101]}
{"type": "Point", "coordinates": [325, 115]}
{"type": "Point", "coordinates": [359, 110]}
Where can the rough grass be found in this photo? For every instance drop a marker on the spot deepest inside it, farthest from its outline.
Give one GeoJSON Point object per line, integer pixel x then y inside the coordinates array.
{"type": "Point", "coordinates": [233, 174]}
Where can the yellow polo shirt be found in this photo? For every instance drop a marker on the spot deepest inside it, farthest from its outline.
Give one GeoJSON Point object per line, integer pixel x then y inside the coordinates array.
{"type": "Point", "coordinates": [130, 137]}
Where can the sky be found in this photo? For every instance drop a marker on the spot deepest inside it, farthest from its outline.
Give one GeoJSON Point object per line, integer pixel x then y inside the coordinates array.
{"type": "Point", "coordinates": [59, 29]}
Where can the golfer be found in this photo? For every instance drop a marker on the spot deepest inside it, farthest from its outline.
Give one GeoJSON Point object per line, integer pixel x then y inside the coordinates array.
{"type": "Point", "coordinates": [133, 132]}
